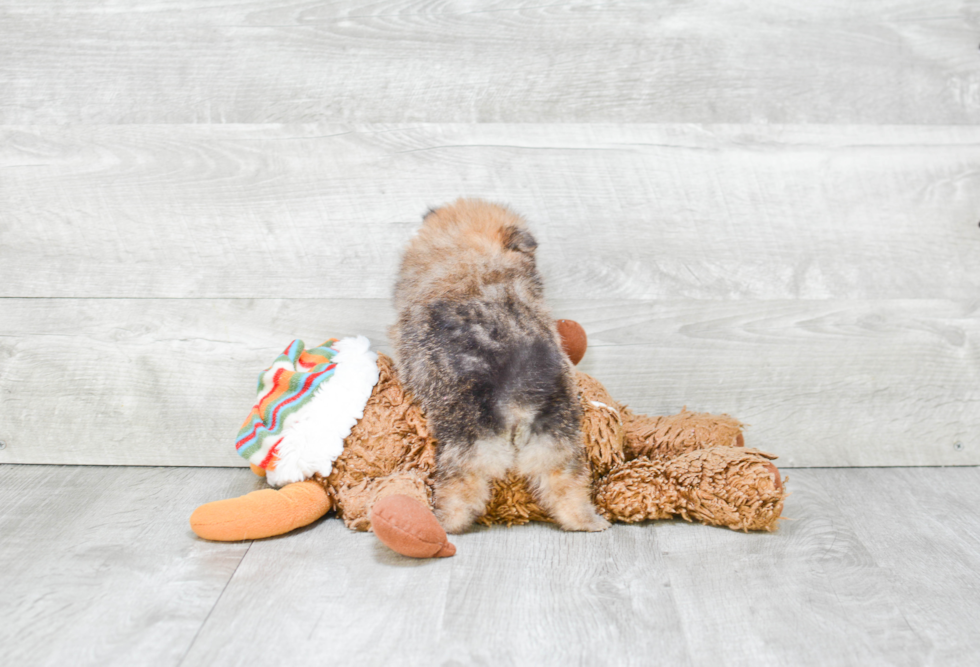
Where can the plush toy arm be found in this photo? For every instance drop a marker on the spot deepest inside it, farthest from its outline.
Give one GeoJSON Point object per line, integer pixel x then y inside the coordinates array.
{"type": "Point", "coordinates": [720, 486]}
{"type": "Point", "coordinates": [665, 438]}
{"type": "Point", "coordinates": [261, 513]}
{"type": "Point", "coordinates": [408, 527]}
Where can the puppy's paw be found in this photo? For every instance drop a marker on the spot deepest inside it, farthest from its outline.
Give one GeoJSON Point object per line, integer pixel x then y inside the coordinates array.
{"type": "Point", "coordinates": [591, 522]}
{"type": "Point", "coordinates": [454, 521]}
{"type": "Point", "coordinates": [596, 524]}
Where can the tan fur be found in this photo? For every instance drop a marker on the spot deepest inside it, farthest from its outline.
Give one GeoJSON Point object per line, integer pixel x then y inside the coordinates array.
{"type": "Point", "coordinates": [708, 479]}
{"type": "Point", "coordinates": [390, 450]}
{"type": "Point", "coordinates": [459, 250]}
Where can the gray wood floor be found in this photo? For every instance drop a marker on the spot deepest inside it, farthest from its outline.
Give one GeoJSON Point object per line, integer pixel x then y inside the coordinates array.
{"type": "Point", "coordinates": [872, 566]}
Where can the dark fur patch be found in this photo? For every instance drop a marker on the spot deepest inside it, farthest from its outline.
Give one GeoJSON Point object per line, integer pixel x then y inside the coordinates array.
{"type": "Point", "coordinates": [481, 360]}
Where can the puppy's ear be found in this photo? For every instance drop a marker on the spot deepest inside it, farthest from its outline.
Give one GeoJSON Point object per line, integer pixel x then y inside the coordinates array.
{"type": "Point", "coordinates": [519, 240]}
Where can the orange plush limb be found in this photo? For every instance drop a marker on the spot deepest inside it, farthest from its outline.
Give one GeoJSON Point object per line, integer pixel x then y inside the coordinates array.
{"type": "Point", "coordinates": [261, 513]}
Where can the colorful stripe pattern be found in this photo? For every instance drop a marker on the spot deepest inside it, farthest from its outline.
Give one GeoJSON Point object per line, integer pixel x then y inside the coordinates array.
{"type": "Point", "coordinates": [283, 389]}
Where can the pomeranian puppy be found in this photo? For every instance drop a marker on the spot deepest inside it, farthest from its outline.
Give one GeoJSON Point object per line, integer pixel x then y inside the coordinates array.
{"type": "Point", "coordinates": [479, 350]}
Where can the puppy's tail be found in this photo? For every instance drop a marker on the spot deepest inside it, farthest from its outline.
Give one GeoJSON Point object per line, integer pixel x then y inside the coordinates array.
{"type": "Point", "coordinates": [530, 375]}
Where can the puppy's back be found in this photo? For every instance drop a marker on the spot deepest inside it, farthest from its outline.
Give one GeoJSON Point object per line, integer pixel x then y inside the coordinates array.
{"type": "Point", "coordinates": [474, 341]}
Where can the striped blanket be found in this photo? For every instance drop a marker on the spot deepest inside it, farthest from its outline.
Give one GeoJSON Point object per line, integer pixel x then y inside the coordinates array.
{"type": "Point", "coordinates": [308, 401]}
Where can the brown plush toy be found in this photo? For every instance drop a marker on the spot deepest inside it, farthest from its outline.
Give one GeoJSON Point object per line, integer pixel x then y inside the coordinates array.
{"type": "Point", "coordinates": [688, 465]}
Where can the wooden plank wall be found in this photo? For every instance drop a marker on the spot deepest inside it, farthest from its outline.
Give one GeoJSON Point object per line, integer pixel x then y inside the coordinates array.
{"type": "Point", "coordinates": [754, 209]}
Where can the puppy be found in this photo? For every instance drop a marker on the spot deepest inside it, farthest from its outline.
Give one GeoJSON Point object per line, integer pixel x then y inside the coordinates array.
{"type": "Point", "coordinates": [478, 348]}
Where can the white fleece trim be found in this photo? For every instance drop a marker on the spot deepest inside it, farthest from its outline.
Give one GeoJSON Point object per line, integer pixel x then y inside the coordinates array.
{"type": "Point", "coordinates": [314, 436]}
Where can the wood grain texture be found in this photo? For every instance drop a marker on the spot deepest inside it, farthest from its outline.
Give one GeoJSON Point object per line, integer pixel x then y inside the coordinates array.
{"type": "Point", "coordinates": [324, 594]}
{"type": "Point", "coordinates": [532, 595]}
{"type": "Point", "coordinates": [889, 61]}
{"type": "Point", "coordinates": [635, 212]}
{"type": "Point", "coordinates": [99, 567]}
{"type": "Point", "coordinates": [922, 527]}
{"type": "Point", "coordinates": [819, 583]}
{"type": "Point", "coordinates": [872, 566]}
{"type": "Point", "coordinates": [148, 382]}
{"type": "Point", "coordinates": [821, 383]}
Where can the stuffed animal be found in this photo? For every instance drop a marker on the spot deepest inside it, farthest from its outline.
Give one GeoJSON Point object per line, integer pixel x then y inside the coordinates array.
{"type": "Point", "coordinates": [374, 464]}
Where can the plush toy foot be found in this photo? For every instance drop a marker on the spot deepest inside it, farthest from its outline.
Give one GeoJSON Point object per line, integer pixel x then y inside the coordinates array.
{"type": "Point", "coordinates": [666, 438]}
{"type": "Point", "coordinates": [261, 513]}
{"type": "Point", "coordinates": [720, 486]}
{"type": "Point", "coordinates": [408, 527]}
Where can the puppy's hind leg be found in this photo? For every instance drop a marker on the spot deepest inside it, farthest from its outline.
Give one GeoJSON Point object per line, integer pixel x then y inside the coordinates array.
{"type": "Point", "coordinates": [556, 469]}
{"type": "Point", "coordinates": [462, 485]}
{"type": "Point", "coordinates": [460, 498]}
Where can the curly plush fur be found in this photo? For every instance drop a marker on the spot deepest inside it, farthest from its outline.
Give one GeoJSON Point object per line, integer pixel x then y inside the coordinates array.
{"type": "Point", "coordinates": [690, 465]}
{"type": "Point", "coordinates": [478, 348]}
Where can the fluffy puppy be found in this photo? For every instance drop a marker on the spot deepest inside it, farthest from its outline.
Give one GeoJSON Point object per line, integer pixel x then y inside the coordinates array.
{"type": "Point", "coordinates": [478, 348]}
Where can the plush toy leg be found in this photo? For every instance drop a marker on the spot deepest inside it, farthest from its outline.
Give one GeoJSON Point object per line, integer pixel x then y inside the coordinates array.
{"type": "Point", "coordinates": [261, 513]}
{"type": "Point", "coordinates": [668, 437]}
{"type": "Point", "coordinates": [408, 527]}
{"type": "Point", "coordinates": [396, 508]}
{"type": "Point", "coordinates": [721, 486]}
